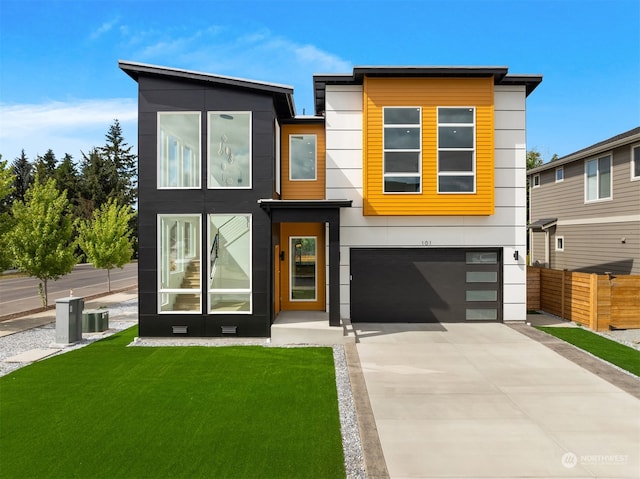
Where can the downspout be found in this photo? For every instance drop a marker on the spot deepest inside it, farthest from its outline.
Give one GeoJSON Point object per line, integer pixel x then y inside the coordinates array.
{"type": "Point", "coordinates": [546, 249]}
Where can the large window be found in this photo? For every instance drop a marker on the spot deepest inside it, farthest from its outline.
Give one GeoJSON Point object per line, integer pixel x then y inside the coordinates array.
{"type": "Point", "coordinates": [456, 150]}
{"type": "Point", "coordinates": [179, 150]}
{"type": "Point", "coordinates": [302, 157]}
{"type": "Point", "coordinates": [635, 162]}
{"type": "Point", "coordinates": [402, 146]}
{"type": "Point", "coordinates": [598, 178]}
{"type": "Point", "coordinates": [229, 149]}
{"type": "Point", "coordinates": [179, 264]}
{"type": "Point", "coordinates": [229, 264]}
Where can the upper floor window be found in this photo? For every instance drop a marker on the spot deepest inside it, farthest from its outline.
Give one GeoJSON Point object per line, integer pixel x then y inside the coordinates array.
{"type": "Point", "coordinates": [402, 149]}
{"type": "Point", "coordinates": [229, 149]}
{"type": "Point", "coordinates": [178, 150]}
{"type": "Point", "coordinates": [635, 162]}
{"type": "Point", "coordinates": [559, 174]}
{"type": "Point", "coordinates": [598, 178]}
{"type": "Point", "coordinates": [302, 157]}
{"type": "Point", "coordinates": [456, 150]}
{"type": "Point", "coordinates": [536, 181]}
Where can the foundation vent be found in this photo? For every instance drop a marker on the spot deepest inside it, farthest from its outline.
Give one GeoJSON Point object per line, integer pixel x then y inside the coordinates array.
{"type": "Point", "coordinates": [229, 329]}
{"type": "Point", "coordinates": [179, 329]}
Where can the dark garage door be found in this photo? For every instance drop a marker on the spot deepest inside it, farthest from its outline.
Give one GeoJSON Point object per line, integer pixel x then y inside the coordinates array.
{"type": "Point", "coordinates": [400, 285]}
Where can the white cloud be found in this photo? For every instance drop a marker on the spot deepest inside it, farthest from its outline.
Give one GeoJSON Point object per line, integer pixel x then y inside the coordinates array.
{"type": "Point", "coordinates": [258, 55]}
{"type": "Point", "coordinates": [104, 28]}
{"type": "Point", "coordinates": [64, 127]}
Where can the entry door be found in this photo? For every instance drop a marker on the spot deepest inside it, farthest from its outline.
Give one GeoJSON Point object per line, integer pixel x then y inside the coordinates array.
{"type": "Point", "coordinates": [302, 267]}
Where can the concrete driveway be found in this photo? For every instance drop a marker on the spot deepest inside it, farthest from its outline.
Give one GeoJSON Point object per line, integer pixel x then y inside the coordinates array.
{"type": "Point", "coordinates": [483, 400]}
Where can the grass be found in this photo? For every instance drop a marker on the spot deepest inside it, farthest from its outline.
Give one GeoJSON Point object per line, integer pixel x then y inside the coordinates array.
{"type": "Point", "coordinates": [622, 356]}
{"type": "Point", "coordinates": [106, 410]}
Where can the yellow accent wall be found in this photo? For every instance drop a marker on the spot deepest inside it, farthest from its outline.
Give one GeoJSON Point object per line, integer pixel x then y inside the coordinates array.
{"type": "Point", "coordinates": [428, 93]}
{"type": "Point", "coordinates": [303, 190]}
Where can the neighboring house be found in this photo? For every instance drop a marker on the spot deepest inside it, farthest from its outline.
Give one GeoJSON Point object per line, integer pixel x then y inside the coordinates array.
{"type": "Point", "coordinates": [402, 200]}
{"type": "Point", "coordinates": [585, 208]}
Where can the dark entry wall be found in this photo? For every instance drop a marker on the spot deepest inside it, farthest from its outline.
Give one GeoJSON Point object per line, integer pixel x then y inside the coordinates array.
{"type": "Point", "coordinates": [160, 94]}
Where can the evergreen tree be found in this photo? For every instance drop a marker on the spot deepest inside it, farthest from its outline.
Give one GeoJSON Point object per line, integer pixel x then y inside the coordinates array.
{"type": "Point", "coordinates": [23, 177]}
{"type": "Point", "coordinates": [45, 166]}
{"type": "Point", "coordinates": [118, 153]}
{"type": "Point", "coordinates": [98, 183]}
{"type": "Point", "coordinates": [106, 238]}
{"type": "Point", "coordinates": [66, 176]}
{"type": "Point", "coordinates": [6, 220]}
{"type": "Point", "coordinates": [41, 239]}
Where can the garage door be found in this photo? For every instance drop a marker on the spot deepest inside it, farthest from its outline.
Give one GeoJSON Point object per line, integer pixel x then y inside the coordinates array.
{"type": "Point", "coordinates": [425, 285]}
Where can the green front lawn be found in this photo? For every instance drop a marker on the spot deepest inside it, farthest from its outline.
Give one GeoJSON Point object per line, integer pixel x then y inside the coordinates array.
{"type": "Point", "coordinates": [622, 356]}
{"type": "Point", "coordinates": [107, 410]}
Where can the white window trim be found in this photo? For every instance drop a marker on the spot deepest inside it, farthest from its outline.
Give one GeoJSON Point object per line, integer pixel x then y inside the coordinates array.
{"type": "Point", "coordinates": [473, 152]}
{"type": "Point", "coordinates": [559, 168]}
{"type": "Point", "coordinates": [560, 239]}
{"type": "Point", "coordinates": [249, 290]}
{"type": "Point", "coordinates": [180, 173]}
{"type": "Point", "coordinates": [418, 174]}
{"type": "Point", "coordinates": [632, 162]}
{"type": "Point", "coordinates": [315, 159]}
{"type": "Point", "coordinates": [535, 184]}
{"type": "Point", "coordinates": [163, 293]}
{"type": "Point", "coordinates": [210, 152]}
{"type": "Point", "coordinates": [597, 158]}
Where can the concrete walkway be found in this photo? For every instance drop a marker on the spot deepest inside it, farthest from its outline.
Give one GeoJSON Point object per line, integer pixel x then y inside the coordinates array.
{"type": "Point", "coordinates": [485, 401]}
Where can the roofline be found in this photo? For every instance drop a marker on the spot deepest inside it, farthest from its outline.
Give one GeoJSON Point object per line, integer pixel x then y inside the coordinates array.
{"type": "Point", "coordinates": [616, 141]}
{"type": "Point", "coordinates": [499, 74]}
{"type": "Point", "coordinates": [135, 69]}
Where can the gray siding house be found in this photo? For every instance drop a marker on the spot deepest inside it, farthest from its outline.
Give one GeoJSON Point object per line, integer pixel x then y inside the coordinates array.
{"type": "Point", "coordinates": [585, 208]}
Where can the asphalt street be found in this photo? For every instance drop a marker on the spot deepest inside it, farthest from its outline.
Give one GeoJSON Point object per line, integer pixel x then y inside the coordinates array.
{"type": "Point", "coordinates": [20, 293]}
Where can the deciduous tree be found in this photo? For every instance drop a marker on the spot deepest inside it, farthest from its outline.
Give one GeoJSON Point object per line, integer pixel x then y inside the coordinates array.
{"type": "Point", "coordinates": [106, 238]}
{"type": "Point", "coordinates": [41, 239]}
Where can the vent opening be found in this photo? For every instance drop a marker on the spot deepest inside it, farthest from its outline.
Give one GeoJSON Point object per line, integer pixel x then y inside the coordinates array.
{"type": "Point", "coordinates": [229, 329]}
{"type": "Point", "coordinates": [179, 329]}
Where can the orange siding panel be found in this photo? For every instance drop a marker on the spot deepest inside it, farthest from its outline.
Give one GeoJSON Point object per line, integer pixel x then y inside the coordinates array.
{"type": "Point", "coordinates": [303, 190]}
{"type": "Point", "coordinates": [428, 93]}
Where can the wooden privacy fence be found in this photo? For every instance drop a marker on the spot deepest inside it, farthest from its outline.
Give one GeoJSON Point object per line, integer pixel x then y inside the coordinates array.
{"type": "Point", "coordinates": [598, 301]}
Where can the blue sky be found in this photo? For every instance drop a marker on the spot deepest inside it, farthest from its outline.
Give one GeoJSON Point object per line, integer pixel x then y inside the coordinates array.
{"type": "Point", "coordinates": [61, 88]}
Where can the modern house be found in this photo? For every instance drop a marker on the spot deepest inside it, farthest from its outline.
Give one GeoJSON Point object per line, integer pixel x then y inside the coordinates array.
{"type": "Point", "coordinates": [585, 208]}
{"type": "Point", "coordinates": [403, 199]}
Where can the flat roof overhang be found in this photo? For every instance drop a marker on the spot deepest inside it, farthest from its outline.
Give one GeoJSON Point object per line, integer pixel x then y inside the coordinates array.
{"type": "Point", "coordinates": [271, 204]}
{"type": "Point", "coordinates": [499, 73]}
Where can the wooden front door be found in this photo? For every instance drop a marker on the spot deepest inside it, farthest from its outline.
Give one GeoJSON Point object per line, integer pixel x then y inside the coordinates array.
{"type": "Point", "coordinates": [302, 267]}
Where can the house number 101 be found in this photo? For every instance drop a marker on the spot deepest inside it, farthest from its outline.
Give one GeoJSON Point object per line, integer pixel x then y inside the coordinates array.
{"type": "Point", "coordinates": [426, 242]}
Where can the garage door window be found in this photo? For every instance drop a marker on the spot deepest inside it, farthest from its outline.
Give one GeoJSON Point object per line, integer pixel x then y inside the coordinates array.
{"type": "Point", "coordinates": [482, 295]}
{"type": "Point", "coordinates": [482, 314]}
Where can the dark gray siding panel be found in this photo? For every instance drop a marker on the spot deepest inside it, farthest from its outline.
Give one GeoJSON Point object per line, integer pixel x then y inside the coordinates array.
{"type": "Point", "coordinates": [163, 95]}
